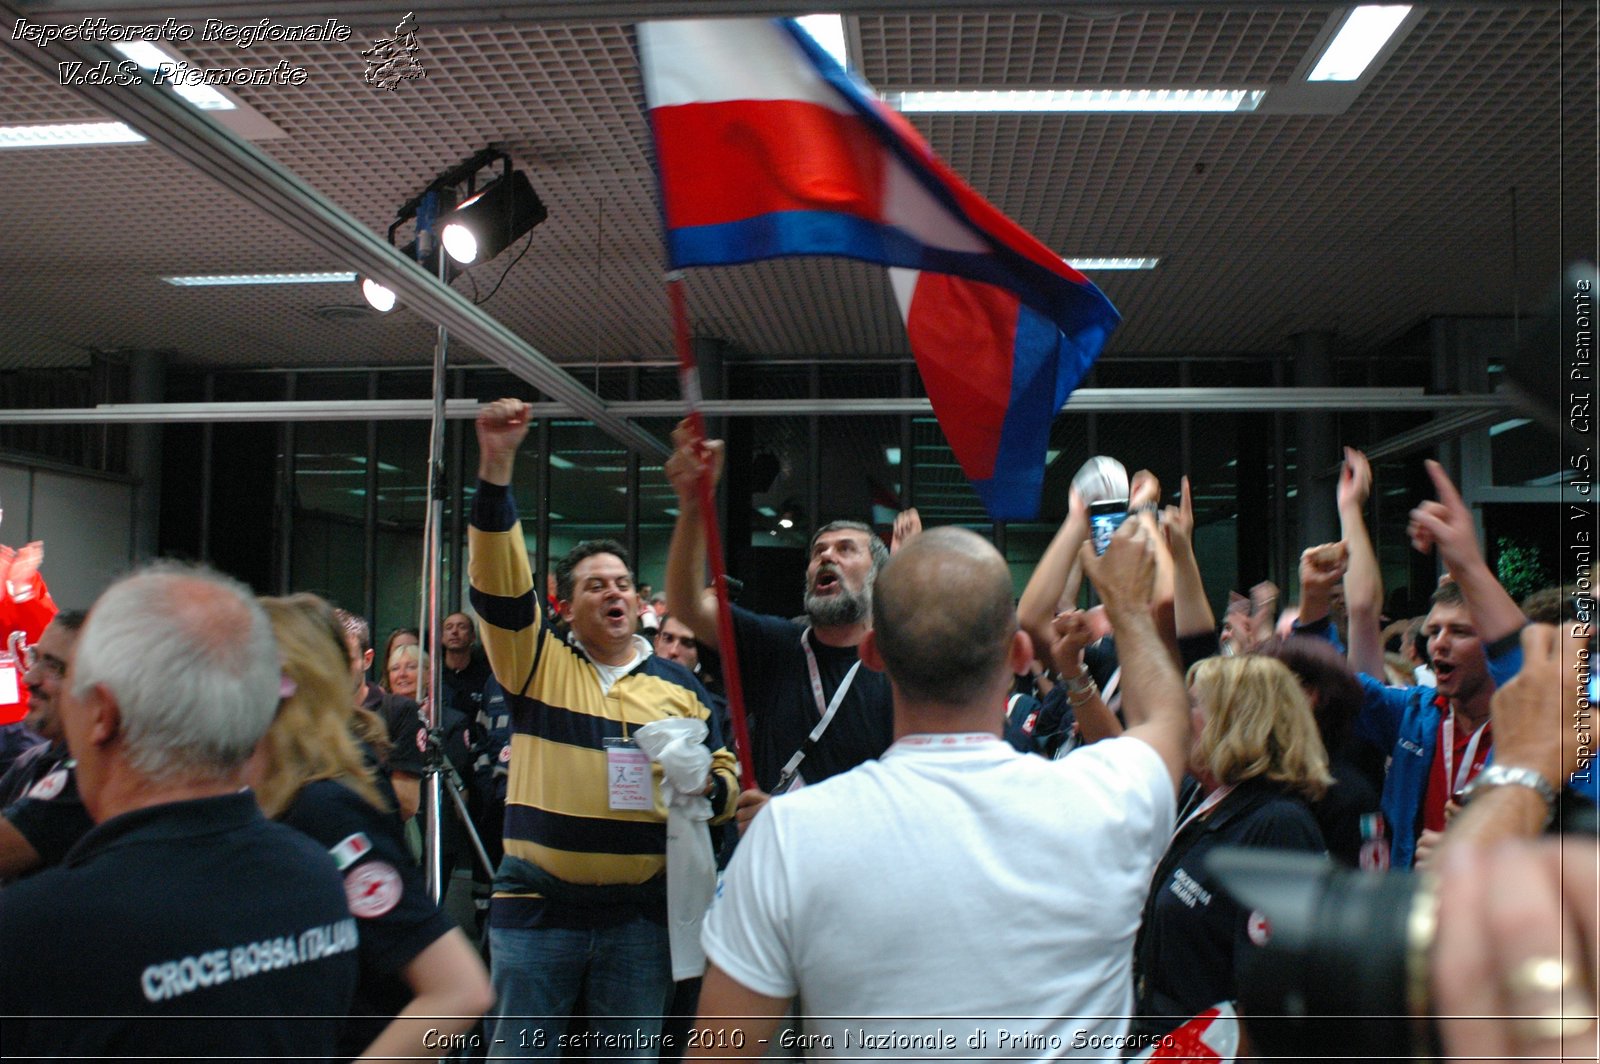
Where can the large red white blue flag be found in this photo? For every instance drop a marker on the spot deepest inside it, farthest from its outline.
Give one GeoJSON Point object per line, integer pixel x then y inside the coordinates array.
{"type": "Point", "coordinates": [766, 147]}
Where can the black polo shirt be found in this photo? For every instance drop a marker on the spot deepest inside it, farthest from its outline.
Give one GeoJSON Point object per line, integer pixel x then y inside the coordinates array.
{"type": "Point", "coordinates": [403, 717]}
{"type": "Point", "coordinates": [193, 929]}
{"type": "Point", "coordinates": [1194, 936]}
{"type": "Point", "coordinates": [463, 688]}
{"type": "Point", "coordinates": [783, 710]}
{"type": "Point", "coordinates": [48, 812]}
{"type": "Point", "coordinates": [386, 893]}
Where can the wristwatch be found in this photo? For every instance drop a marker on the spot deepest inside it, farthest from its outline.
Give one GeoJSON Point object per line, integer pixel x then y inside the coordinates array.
{"type": "Point", "coordinates": [1515, 776]}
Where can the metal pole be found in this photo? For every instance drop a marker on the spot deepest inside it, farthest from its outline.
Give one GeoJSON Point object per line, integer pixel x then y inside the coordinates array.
{"type": "Point", "coordinates": [1082, 401]}
{"type": "Point", "coordinates": [433, 521]}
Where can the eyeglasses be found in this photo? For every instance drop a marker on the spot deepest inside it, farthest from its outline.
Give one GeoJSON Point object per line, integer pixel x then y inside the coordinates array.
{"type": "Point", "coordinates": [33, 659]}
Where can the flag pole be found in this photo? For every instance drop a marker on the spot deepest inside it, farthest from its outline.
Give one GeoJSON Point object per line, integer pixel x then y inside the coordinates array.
{"type": "Point", "coordinates": [689, 385]}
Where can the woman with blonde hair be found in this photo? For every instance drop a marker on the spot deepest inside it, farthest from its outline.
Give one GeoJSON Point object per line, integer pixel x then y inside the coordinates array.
{"type": "Point", "coordinates": [400, 637]}
{"type": "Point", "coordinates": [1259, 760]}
{"type": "Point", "coordinates": [403, 672]}
{"type": "Point", "coordinates": [418, 971]}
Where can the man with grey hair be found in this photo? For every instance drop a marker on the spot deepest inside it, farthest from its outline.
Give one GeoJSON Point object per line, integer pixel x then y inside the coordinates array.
{"type": "Point", "coordinates": [184, 924]}
{"type": "Point", "coordinates": [887, 897]}
{"type": "Point", "coordinates": [813, 711]}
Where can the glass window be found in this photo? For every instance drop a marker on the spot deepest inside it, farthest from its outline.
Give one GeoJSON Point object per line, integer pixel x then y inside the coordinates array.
{"type": "Point", "coordinates": [658, 509]}
{"type": "Point", "coordinates": [939, 489]}
{"type": "Point", "coordinates": [588, 485]}
{"type": "Point", "coordinates": [330, 497]}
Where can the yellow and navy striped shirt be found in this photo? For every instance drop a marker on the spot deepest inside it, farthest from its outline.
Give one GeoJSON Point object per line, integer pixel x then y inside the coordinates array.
{"type": "Point", "coordinates": [558, 814]}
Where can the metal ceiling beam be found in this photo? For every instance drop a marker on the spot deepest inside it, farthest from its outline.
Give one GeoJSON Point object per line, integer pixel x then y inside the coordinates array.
{"type": "Point", "coordinates": [1476, 408]}
{"type": "Point", "coordinates": [383, 13]}
{"type": "Point", "coordinates": [1447, 426]}
{"type": "Point", "coordinates": [238, 166]}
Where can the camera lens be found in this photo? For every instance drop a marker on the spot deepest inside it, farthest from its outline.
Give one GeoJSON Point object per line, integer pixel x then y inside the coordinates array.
{"type": "Point", "coordinates": [1343, 968]}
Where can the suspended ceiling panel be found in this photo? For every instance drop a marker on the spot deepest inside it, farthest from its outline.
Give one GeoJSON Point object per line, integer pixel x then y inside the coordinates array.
{"type": "Point", "coordinates": [1362, 222]}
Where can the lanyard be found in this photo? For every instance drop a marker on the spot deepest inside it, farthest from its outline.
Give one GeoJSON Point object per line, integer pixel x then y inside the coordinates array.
{"type": "Point", "coordinates": [1111, 688]}
{"type": "Point", "coordinates": [947, 740]}
{"type": "Point", "coordinates": [827, 710]}
{"type": "Point", "coordinates": [1457, 777]}
{"type": "Point", "coordinates": [1212, 801]}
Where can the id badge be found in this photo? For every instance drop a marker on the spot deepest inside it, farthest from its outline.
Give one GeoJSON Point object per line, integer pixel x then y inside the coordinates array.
{"type": "Point", "coordinates": [10, 690]}
{"type": "Point", "coordinates": [628, 776]}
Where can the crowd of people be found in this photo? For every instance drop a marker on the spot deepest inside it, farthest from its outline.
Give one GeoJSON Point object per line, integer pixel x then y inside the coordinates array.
{"type": "Point", "coordinates": [967, 824]}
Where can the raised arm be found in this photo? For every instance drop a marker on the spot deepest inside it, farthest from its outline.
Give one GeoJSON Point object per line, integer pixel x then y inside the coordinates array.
{"type": "Point", "coordinates": [1074, 630]}
{"type": "Point", "coordinates": [907, 523]}
{"type": "Point", "coordinates": [1037, 607]}
{"type": "Point", "coordinates": [1532, 717]}
{"type": "Point", "coordinates": [1321, 567]}
{"type": "Point", "coordinates": [497, 555]}
{"type": "Point", "coordinates": [502, 426]}
{"type": "Point", "coordinates": [1152, 688]}
{"type": "Point", "coordinates": [1446, 525]}
{"type": "Point", "coordinates": [1363, 581]}
{"type": "Point", "coordinates": [1191, 613]}
{"type": "Point", "coordinates": [1144, 497]}
{"type": "Point", "coordinates": [687, 596]}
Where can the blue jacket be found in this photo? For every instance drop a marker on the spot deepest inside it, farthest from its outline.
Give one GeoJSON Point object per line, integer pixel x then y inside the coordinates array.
{"type": "Point", "coordinates": [1405, 721]}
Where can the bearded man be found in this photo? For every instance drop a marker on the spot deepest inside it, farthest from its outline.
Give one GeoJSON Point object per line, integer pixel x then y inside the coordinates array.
{"type": "Point", "coordinates": [814, 711]}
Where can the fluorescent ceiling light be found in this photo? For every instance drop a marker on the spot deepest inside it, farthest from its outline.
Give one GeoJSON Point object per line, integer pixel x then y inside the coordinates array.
{"type": "Point", "coordinates": [1364, 33]}
{"type": "Point", "coordinates": [1113, 264]}
{"type": "Point", "coordinates": [1027, 100]}
{"type": "Point", "coordinates": [828, 32]}
{"type": "Point", "coordinates": [68, 134]}
{"type": "Point", "coordinates": [152, 57]}
{"type": "Point", "coordinates": [203, 281]}
{"type": "Point", "coordinates": [891, 455]}
{"type": "Point", "coordinates": [558, 462]}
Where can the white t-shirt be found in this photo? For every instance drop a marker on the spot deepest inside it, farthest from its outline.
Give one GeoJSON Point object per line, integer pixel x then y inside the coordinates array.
{"type": "Point", "coordinates": [952, 891]}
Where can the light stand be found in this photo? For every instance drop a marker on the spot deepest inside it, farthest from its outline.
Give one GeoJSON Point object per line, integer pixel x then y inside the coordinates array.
{"type": "Point", "coordinates": [436, 765]}
{"type": "Point", "coordinates": [488, 219]}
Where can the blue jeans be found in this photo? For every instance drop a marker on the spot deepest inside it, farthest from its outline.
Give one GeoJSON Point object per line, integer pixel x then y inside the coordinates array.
{"type": "Point", "coordinates": [624, 973]}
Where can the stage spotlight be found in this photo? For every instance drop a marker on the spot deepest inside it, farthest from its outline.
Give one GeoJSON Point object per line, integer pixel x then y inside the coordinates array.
{"type": "Point", "coordinates": [474, 230]}
{"type": "Point", "coordinates": [486, 224]}
{"type": "Point", "coordinates": [380, 298]}
{"type": "Point", "coordinates": [383, 299]}
{"type": "Point", "coordinates": [460, 243]}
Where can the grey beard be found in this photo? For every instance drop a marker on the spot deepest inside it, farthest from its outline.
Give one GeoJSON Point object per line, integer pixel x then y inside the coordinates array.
{"type": "Point", "coordinates": [832, 611]}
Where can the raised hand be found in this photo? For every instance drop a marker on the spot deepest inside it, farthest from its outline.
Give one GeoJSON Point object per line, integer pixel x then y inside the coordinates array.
{"type": "Point", "coordinates": [1355, 479]}
{"type": "Point", "coordinates": [690, 459]}
{"type": "Point", "coordinates": [1074, 630]}
{"type": "Point", "coordinates": [1125, 574]}
{"type": "Point", "coordinates": [1178, 521]}
{"type": "Point", "coordinates": [502, 426]}
{"type": "Point", "coordinates": [1145, 490]}
{"type": "Point", "coordinates": [907, 523]}
{"type": "Point", "coordinates": [1323, 566]}
{"type": "Point", "coordinates": [1530, 712]}
{"type": "Point", "coordinates": [1445, 525]}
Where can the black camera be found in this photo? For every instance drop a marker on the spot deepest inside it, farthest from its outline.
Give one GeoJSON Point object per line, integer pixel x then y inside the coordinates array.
{"type": "Point", "coordinates": [1344, 970]}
